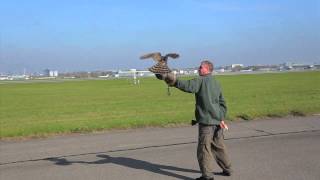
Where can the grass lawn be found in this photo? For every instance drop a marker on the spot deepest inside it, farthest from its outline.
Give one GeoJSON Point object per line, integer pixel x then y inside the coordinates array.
{"type": "Point", "coordinates": [40, 109]}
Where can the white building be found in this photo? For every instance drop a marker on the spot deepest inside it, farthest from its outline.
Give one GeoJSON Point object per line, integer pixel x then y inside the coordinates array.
{"type": "Point", "coordinates": [4, 77]}
{"type": "Point", "coordinates": [53, 73]}
{"type": "Point", "coordinates": [50, 73]}
{"type": "Point", "coordinates": [236, 65]}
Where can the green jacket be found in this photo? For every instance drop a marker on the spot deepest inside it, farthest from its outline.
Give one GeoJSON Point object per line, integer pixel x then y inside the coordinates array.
{"type": "Point", "coordinates": [210, 105]}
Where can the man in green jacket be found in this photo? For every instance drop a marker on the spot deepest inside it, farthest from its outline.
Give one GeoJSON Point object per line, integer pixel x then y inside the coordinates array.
{"type": "Point", "coordinates": [210, 112]}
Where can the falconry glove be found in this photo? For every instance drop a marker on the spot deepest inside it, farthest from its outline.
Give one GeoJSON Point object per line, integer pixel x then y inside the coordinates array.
{"type": "Point", "coordinates": [159, 76]}
{"type": "Point", "coordinates": [170, 79]}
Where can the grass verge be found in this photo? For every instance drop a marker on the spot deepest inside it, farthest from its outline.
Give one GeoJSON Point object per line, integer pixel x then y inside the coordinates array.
{"type": "Point", "coordinates": [41, 109]}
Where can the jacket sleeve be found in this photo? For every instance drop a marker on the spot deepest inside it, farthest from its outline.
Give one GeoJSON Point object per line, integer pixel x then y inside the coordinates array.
{"type": "Point", "coordinates": [190, 86]}
{"type": "Point", "coordinates": [223, 105]}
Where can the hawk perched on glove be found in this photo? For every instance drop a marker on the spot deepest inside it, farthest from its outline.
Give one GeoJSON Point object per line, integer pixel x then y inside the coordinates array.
{"type": "Point", "coordinates": [161, 67]}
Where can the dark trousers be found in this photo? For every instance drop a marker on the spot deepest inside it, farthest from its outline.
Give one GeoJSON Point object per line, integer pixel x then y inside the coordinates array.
{"type": "Point", "coordinates": [211, 146]}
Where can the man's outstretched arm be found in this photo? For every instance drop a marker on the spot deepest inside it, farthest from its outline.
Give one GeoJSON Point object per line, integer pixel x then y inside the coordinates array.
{"type": "Point", "coordinates": [190, 86]}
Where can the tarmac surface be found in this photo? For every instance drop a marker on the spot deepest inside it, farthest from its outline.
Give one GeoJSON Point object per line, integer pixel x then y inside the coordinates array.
{"type": "Point", "coordinates": [279, 148]}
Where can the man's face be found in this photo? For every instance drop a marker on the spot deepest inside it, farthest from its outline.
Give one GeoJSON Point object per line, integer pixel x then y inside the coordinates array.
{"type": "Point", "coordinates": [203, 69]}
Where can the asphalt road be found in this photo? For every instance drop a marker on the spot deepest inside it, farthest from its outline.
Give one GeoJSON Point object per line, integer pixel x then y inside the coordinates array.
{"type": "Point", "coordinates": [284, 149]}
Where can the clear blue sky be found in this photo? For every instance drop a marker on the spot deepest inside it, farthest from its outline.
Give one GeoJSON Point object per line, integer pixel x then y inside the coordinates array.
{"type": "Point", "coordinates": [72, 35]}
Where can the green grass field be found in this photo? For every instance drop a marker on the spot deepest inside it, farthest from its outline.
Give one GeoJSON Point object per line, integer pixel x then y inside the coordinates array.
{"type": "Point", "coordinates": [41, 109]}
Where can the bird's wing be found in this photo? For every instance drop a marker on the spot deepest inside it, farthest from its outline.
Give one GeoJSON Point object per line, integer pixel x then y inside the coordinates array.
{"type": "Point", "coordinates": [155, 56]}
{"type": "Point", "coordinates": [172, 55]}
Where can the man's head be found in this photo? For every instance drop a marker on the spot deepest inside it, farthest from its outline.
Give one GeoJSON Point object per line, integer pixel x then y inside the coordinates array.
{"type": "Point", "coordinates": [206, 67]}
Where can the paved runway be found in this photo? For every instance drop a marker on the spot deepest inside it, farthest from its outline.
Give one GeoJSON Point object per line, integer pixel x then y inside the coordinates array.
{"type": "Point", "coordinates": [284, 149]}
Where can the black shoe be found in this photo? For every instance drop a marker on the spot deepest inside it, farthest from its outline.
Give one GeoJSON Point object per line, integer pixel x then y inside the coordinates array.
{"type": "Point", "coordinates": [226, 173]}
{"type": "Point", "coordinates": [204, 178]}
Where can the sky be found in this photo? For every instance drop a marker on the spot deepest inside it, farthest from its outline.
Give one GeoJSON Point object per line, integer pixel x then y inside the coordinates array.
{"type": "Point", "coordinates": [89, 35]}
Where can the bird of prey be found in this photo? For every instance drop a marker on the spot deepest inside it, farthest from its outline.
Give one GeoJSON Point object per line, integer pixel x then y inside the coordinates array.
{"type": "Point", "coordinates": [161, 67]}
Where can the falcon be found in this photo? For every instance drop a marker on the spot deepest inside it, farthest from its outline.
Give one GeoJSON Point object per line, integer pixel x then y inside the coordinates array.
{"type": "Point", "coordinates": [161, 67]}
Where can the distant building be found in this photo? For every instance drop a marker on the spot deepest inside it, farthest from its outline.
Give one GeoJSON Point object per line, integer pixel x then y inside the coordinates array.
{"type": "Point", "coordinates": [53, 74]}
{"type": "Point", "coordinates": [295, 66]}
{"type": "Point", "coordinates": [4, 77]}
{"type": "Point", "coordinates": [220, 69]}
{"type": "Point", "coordinates": [236, 65]}
{"type": "Point", "coordinates": [132, 73]}
{"type": "Point", "coordinates": [50, 73]}
{"type": "Point", "coordinates": [301, 66]}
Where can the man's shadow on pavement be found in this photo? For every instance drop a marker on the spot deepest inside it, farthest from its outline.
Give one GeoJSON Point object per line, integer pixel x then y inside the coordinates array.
{"type": "Point", "coordinates": [131, 163]}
